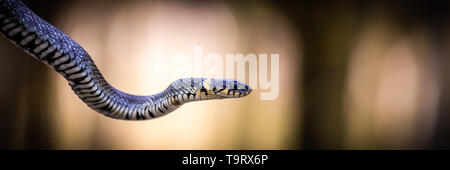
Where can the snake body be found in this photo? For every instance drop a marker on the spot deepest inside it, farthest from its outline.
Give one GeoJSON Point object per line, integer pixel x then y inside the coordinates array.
{"type": "Point", "coordinates": [56, 49]}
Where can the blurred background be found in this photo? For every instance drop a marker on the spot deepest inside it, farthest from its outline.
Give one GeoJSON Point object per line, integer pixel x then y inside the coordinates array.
{"type": "Point", "coordinates": [353, 75]}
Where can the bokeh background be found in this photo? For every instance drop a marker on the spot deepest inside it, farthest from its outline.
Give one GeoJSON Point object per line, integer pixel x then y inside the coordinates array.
{"type": "Point", "coordinates": [353, 75]}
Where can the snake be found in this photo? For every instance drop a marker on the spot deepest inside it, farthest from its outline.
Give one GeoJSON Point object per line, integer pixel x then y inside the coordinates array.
{"type": "Point", "coordinates": [56, 49]}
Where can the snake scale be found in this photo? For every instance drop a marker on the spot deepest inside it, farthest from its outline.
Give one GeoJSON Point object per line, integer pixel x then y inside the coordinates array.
{"type": "Point", "coordinates": [51, 46]}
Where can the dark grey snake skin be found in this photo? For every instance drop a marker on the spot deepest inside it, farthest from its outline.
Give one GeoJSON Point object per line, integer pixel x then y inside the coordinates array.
{"type": "Point", "coordinates": [56, 49]}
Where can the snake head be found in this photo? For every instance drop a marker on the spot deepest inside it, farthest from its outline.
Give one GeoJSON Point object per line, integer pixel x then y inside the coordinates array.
{"type": "Point", "coordinates": [195, 89]}
{"type": "Point", "coordinates": [226, 88]}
